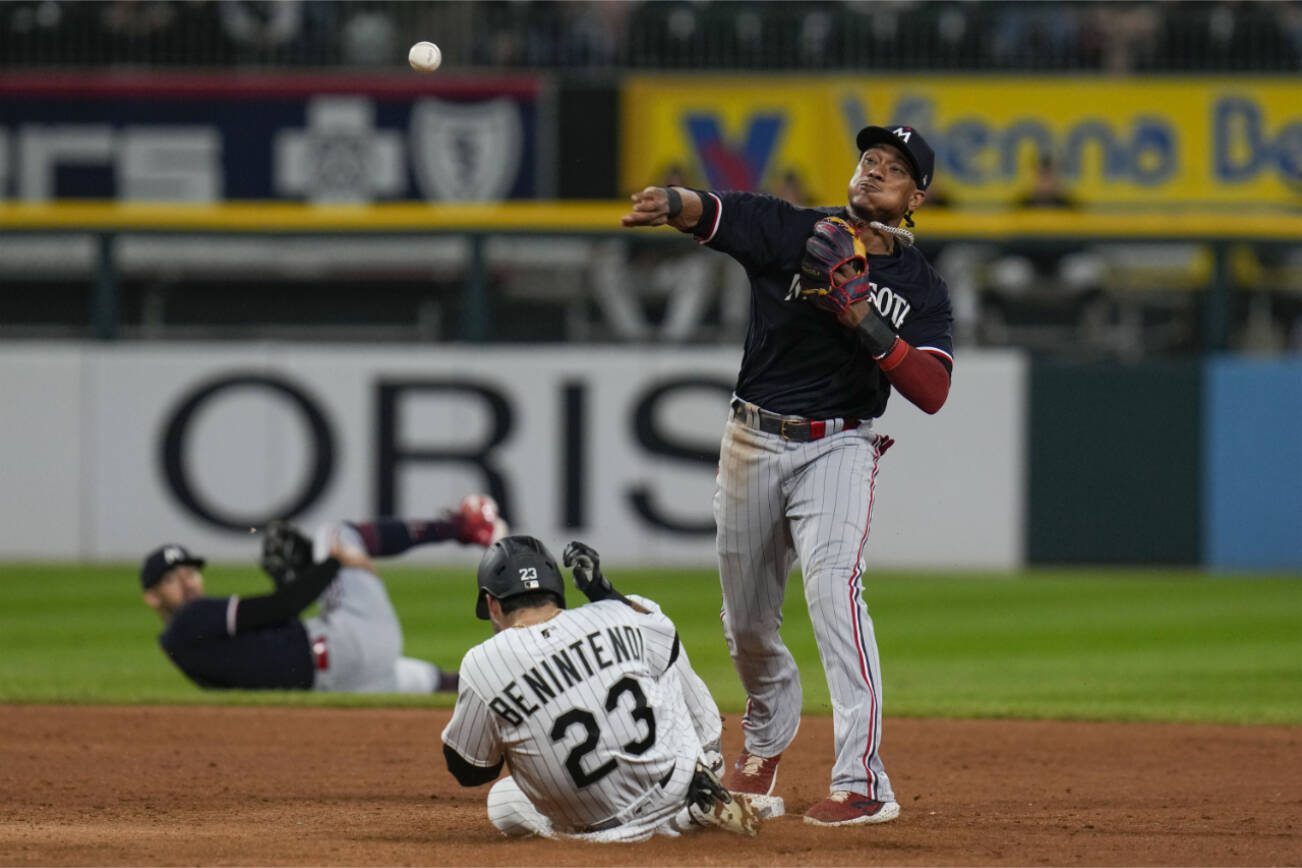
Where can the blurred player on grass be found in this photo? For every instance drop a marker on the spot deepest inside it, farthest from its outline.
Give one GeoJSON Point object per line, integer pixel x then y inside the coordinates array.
{"type": "Point", "coordinates": [353, 645]}
{"type": "Point", "coordinates": [609, 734]}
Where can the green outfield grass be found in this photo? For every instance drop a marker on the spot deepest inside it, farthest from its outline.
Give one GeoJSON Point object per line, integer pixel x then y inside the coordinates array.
{"type": "Point", "coordinates": [1086, 645]}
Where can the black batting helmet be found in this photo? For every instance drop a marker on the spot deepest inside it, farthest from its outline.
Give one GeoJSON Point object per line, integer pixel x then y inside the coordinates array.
{"type": "Point", "coordinates": [517, 565]}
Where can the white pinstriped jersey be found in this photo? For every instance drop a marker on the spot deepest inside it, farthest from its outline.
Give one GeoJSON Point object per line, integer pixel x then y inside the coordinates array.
{"type": "Point", "coordinates": [581, 707]}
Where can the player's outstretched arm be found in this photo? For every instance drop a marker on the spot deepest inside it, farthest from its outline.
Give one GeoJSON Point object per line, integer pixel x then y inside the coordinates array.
{"type": "Point", "coordinates": [287, 558]}
{"type": "Point", "coordinates": [475, 521]}
{"type": "Point", "coordinates": [678, 207]}
{"type": "Point", "coordinates": [288, 601]}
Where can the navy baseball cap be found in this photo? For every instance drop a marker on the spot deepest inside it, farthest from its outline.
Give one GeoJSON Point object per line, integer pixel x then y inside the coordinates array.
{"type": "Point", "coordinates": [164, 558]}
{"type": "Point", "coordinates": [920, 156]}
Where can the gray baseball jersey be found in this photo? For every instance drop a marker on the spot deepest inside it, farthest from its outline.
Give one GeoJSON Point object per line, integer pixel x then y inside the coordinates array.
{"type": "Point", "coordinates": [591, 709]}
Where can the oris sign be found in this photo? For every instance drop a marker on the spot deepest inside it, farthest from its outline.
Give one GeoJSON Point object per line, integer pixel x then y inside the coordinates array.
{"type": "Point", "coordinates": [116, 450]}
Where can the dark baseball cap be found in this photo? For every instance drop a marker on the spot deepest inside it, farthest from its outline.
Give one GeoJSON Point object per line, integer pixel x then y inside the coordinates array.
{"type": "Point", "coordinates": [920, 156]}
{"type": "Point", "coordinates": [164, 558]}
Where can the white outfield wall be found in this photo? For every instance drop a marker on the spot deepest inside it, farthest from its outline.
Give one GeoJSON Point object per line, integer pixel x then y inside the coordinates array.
{"type": "Point", "coordinates": [109, 450]}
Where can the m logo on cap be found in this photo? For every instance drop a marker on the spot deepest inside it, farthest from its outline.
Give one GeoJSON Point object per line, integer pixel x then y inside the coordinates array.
{"type": "Point", "coordinates": [921, 158]}
{"type": "Point", "coordinates": [172, 554]}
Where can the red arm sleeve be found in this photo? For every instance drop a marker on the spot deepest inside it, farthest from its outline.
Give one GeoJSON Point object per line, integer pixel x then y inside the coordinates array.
{"type": "Point", "coordinates": [917, 375]}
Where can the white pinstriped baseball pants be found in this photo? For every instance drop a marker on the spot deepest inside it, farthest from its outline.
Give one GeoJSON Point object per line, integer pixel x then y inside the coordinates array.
{"type": "Point", "coordinates": [776, 501]}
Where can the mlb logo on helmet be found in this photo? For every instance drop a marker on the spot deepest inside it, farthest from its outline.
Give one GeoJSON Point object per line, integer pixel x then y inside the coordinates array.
{"type": "Point", "coordinates": [919, 155]}
{"type": "Point", "coordinates": [516, 565]}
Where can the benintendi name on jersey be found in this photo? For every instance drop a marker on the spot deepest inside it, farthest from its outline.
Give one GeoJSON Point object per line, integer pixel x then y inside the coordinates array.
{"type": "Point", "coordinates": [622, 643]}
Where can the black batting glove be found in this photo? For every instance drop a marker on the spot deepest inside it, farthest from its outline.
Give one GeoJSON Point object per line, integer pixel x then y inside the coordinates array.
{"type": "Point", "coordinates": [586, 565]}
{"type": "Point", "coordinates": [704, 789]}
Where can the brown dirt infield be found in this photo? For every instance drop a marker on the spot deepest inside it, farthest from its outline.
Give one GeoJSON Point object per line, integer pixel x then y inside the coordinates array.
{"type": "Point", "coordinates": [271, 786]}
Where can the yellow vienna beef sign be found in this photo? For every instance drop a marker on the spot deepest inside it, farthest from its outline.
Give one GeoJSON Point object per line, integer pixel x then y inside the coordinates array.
{"type": "Point", "coordinates": [1113, 142]}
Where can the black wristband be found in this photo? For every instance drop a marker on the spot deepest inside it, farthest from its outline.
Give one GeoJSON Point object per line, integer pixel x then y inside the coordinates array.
{"type": "Point", "coordinates": [675, 202]}
{"type": "Point", "coordinates": [599, 589]}
{"type": "Point", "coordinates": [705, 226]}
{"type": "Point", "coordinates": [875, 335]}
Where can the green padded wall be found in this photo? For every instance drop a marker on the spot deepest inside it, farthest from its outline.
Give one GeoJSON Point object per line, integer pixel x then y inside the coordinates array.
{"type": "Point", "coordinates": [1115, 463]}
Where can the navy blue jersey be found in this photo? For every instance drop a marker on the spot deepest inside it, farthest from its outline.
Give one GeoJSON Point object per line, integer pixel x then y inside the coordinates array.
{"type": "Point", "coordinates": [798, 359]}
{"type": "Point", "coordinates": [202, 641]}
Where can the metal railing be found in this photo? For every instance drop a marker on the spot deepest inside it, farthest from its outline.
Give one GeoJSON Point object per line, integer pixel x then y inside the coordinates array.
{"type": "Point", "coordinates": [575, 254]}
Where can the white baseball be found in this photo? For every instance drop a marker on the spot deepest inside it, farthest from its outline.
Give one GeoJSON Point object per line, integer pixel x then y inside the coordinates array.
{"type": "Point", "coordinates": [425, 57]}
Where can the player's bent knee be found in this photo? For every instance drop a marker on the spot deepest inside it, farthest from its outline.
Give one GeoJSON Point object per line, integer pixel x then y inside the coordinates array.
{"type": "Point", "coordinates": [512, 814]}
{"type": "Point", "coordinates": [753, 636]}
{"type": "Point", "coordinates": [828, 578]}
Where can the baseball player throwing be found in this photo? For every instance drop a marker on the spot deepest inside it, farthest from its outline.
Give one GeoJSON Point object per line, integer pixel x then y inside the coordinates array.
{"type": "Point", "coordinates": [843, 309]}
{"type": "Point", "coordinates": [608, 731]}
{"type": "Point", "coordinates": [353, 645]}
